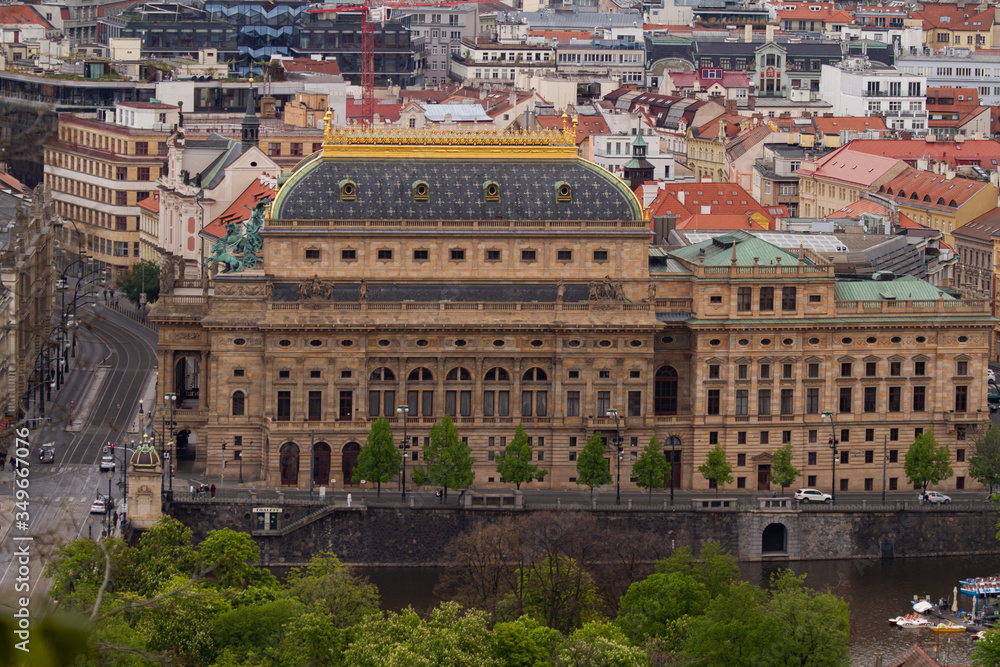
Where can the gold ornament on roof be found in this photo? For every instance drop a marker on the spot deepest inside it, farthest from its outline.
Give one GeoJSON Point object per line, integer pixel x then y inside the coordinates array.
{"type": "Point", "coordinates": [404, 136]}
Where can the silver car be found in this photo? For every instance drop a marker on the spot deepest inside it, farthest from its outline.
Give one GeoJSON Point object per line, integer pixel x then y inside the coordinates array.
{"type": "Point", "coordinates": [107, 462]}
{"type": "Point", "coordinates": [812, 496]}
{"type": "Point", "coordinates": [935, 497]}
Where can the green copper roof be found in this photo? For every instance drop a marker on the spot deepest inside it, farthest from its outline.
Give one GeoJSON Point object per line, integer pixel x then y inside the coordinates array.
{"type": "Point", "coordinates": [902, 288]}
{"type": "Point", "coordinates": [719, 251]}
{"type": "Point", "coordinates": [639, 141]}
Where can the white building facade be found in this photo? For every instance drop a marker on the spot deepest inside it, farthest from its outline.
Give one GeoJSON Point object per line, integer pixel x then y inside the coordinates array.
{"type": "Point", "coordinates": [855, 88]}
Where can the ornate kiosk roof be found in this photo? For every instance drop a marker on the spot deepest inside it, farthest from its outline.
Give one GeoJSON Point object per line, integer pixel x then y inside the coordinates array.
{"type": "Point", "coordinates": [424, 174]}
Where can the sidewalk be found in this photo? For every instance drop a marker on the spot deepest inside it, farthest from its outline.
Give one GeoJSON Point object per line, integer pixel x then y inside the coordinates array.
{"type": "Point", "coordinates": [125, 308]}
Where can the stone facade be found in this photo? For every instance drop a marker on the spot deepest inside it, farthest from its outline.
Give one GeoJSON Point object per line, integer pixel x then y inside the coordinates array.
{"type": "Point", "coordinates": [550, 316]}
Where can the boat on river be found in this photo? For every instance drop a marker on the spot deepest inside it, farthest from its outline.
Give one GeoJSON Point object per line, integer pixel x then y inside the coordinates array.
{"type": "Point", "coordinates": [947, 627]}
{"type": "Point", "coordinates": [981, 586]}
{"type": "Point", "coordinates": [910, 621]}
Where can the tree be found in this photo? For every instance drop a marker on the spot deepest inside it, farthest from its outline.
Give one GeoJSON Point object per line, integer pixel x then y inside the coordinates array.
{"type": "Point", "coordinates": [379, 459]}
{"type": "Point", "coordinates": [984, 464]}
{"type": "Point", "coordinates": [447, 460]}
{"type": "Point", "coordinates": [525, 642]}
{"type": "Point", "coordinates": [651, 469]}
{"type": "Point", "coordinates": [716, 468]}
{"type": "Point", "coordinates": [515, 466]}
{"type": "Point", "coordinates": [330, 588]}
{"type": "Point", "coordinates": [987, 651]}
{"type": "Point", "coordinates": [649, 606]}
{"type": "Point", "coordinates": [556, 591]}
{"type": "Point", "coordinates": [141, 275]}
{"type": "Point", "coordinates": [927, 462]}
{"type": "Point", "coordinates": [783, 473]}
{"type": "Point", "coordinates": [599, 644]}
{"type": "Point", "coordinates": [592, 468]}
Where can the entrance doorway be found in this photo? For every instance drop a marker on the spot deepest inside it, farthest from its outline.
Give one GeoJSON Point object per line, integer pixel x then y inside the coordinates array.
{"type": "Point", "coordinates": [774, 539]}
{"type": "Point", "coordinates": [349, 461]}
{"type": "Point", "coordinates": [673, 455]}
{"type": "Point", "coordinates": [763, 477]}
{"type": "Point", "coordinates": [321, 464]}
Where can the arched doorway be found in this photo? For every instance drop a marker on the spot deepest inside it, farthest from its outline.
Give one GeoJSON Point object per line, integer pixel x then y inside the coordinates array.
{"type": "Point", "coordinates": [321, 464]}
{"type": "Point", "coordinates": [289, 464]}
{"type": "Point", "coordinates": [672, 452]}
{"type": "Point", "coordinates": [349, 461]}
{"type": "Point", "coordinates": [665, 391]}
{"type": "Point", "coordinates": [185, 450]}
{"type": "Point", "coordinates": [774, 539]}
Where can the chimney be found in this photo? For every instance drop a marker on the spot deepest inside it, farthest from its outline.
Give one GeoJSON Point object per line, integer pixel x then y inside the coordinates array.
{"type": "Point", "coordinates": [731, 107]}
{"type": "Point", "coordinates": [513, 99]}
{"type": "Point", "coordinates": [748, 33]}
{"type": "Point", "coordinates": [752, 102]}
{"type": "Point", "coordinates": [769, 33]}
{"type": "Point", "coordinates": [680, 196]}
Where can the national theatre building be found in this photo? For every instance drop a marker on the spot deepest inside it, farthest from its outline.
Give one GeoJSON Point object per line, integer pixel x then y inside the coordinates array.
{"type": "Point", "coordinates": [500, 278]}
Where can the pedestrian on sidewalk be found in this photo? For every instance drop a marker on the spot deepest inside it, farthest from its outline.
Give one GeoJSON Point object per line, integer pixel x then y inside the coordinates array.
{"type": "Point", "coordinates": [191, 490]}
{"type": "Point", "coordinates": [114, 518]}
{"type": "Point", "coordinates": [212, 490]}
{"type": "Point", "coordinates": [348, 500]}
{"type": "Point", "coordinates": [105, 296]}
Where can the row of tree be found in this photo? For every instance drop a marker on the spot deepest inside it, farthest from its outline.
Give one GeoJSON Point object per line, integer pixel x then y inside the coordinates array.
{"type": "Point", "coordinates": [448, 461]}
{"type": "Point", "coordinates": [533, 591]}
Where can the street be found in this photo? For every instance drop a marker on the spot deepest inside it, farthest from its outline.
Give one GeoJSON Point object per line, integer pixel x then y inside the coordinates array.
{"type": "Point", "coordinates": [113, 367]}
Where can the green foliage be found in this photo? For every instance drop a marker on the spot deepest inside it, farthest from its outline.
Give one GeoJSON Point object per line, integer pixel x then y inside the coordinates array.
{"type": "Point", "coordinates": [182, 626]}
{"type": "Point", "coordinates": [927, 462]}
{"type": "Point", "coordinates": [525, 642]}
{"type": "Point", "coordinates": [729, 633]}
{"type": "Point", "coordinates": [591, 467]}
{"type": "Point", "coordinates": [54, 641]}
{"type": "Point", "coordinates": [714, 567]}
{"type": "Point", "coordinates": [984, 463]}
{"type": "Point", "coordinates": [77, 570]}
{"type": "Point", "coordinates": [228, 557]}
{"type": "Point", "coordinates": [447, 460]}
{"type": "Point", "coordinates": [652, 468]}
{"type": "Point", "coordinates": [329, 587]}
{"type": "Point", "coordinates": [599, 644]}
{"type": "Point", "coordinates": [556, 592]}
{"type": "Point", "coordinates": [649, 605]}
{"type": "Point", "coordinates": [783, 473]}
{"type": "Point", "coordinates": [313, 640]}
{"type": "Point", "coordinates": [142, 274]}
{"type": "Point", "coordinates": [451, 637]}
{"type": "Point", "coordinates": [515, 466]}
{"type": "Point", "coordinates": [379, 459]}
{"type": "Point", "coordinates": [717, 468]}
{"type": "Point", "coordinates": [165, 551]}
{"type": "Point", "coordinates": [253, 631]}
{"type": "Point", "coordinates": [987, 651]}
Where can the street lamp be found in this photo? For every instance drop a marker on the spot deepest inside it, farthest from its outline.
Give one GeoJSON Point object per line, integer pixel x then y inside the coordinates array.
{"type": "Point", "coordinates": [170, 399]}
{"type": "Point", "coordinates": [618, 448]}
{"type": "Point", "coordinates": [404, 410]}
{"type": "Point", "coordinates": [673, 441]}
{"type": "Point", "coordinates": [222, 470]}
{"type": "Point", "coordinates": [833, 446]}
{"type": "Point", "coordinates": [107, 505]}
{"type": "Point", "coordinates": [312, 461]}
{"type": "Point", "coordinates": [885, 458]}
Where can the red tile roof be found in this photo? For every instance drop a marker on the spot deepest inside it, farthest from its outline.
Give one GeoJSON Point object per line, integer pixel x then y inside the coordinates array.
{"type": "Point", "coordinates": [728, 80]}
{"type": "Point", "coordinates": [828, 12]}
{"type": "Point", "coordinates": [710, 130]}
{"type": "Point", "coordinates": [310, 65]}
{"type": "Point", "coordinates": [837, 124]}
{"type": "Point", "coordinates": [728, 206]}
{"type": "Point", "coordinates": [952, 17]}
{"type": "Point", "coordinates": [151, 204]}
{"type": "Point", "coordinates": [855, 210]}
{"type": "Point", "coordinates": [9, 182]}
{"type": "Point", "coordinates": [586, 126]}
{"type": "Point", "coordinates": [985, 152]}
{"type": "Point", "coordinates": [854, 167]}
{"type": "Point", "coordinates": [239, 211]}
{"type": "Point", "coordinates": [22, 15]}
{"type": "Point", "coordinates": [933, 190]}
{"type": "Point", "coordinates": [148, 105]}
{"type": "Point", "coordinates": [562, 35]}
{"type": "Point", "coordinates": [386, 112]}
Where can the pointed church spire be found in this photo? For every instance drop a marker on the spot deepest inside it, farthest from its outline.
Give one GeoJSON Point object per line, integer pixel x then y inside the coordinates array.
{"type": "Point", "coordinates": [251, 124]}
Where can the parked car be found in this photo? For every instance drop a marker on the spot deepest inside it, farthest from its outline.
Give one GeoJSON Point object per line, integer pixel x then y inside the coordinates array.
{"type": "Point", "coordinates": [47, 453]}
{"type": "Point", "coordinates": [61, 283]}
{"type": "Point", "coordinates": [935, 497]}
{"type": "Point", "coordinates": [812, 496]}
{"type": "Point", "coordinates": [990, 374]}
{"type": "Point", "coordinates": [107, 462]}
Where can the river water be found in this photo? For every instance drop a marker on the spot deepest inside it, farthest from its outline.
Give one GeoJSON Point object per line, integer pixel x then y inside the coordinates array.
{"type": "Point", "coordinates": [875, 590]}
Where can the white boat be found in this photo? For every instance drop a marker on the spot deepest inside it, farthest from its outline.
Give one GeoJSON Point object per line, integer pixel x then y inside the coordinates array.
{"type": "Point", "coordinates": [910, 621]}
{"type": "Point", "coordinates": [981, 586]}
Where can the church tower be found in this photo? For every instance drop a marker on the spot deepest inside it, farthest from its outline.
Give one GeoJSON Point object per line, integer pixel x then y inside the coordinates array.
{"type": "Point", "coordinates": [251, 124]}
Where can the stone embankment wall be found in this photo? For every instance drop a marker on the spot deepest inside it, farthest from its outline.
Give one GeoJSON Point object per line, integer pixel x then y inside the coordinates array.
{"type": "Point", "coordinates": [418, 536]}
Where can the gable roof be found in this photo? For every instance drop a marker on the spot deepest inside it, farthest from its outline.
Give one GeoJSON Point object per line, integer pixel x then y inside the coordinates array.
{"type": "Point", "coordinates": [586, 126]}
{"type": "Point", "coordinates": [22, 15]}
{"type": "Point", "coordinates": [984, 153]}
{"type": "Point", "coordinates": [387, 113]}
{"type": "Point", "coordinates": [712, 206]}
{"type": "Point", "coordinates": [902, 288]}
{"type": "Point", "coordinates": [239, 210]}
{"type": "Point", "coordinates": [952, 17]}
{"type": "Point", "coordinates": [857, 209]}
{"type": "Point", "coordinates": [747, 248]}
{"type": "Point", "coordinates": [854, 167]}
{"type": "Point", "coordinates": [151, 204]}
{"type": "Point", "coordinates": [982, 228]}
{"type": "Point", "coordinates": [932, 190]}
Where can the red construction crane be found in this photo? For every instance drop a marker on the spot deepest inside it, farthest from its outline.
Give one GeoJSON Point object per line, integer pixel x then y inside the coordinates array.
{"type": "Point", "coordinates": [372, 12]}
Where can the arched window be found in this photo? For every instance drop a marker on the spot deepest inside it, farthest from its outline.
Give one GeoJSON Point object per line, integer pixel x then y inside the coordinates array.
{"type": "Point", "coordinates": [665, 391]}
{"type": "Point", "coordinates": [535, 375]}
{"type": "Point", "coordinates": [289, 464]}
{"type": "Point", "coordinates": [239, 404]}
{"type": "Point", "coordinates": [497, 375]}
{"type": "Point", "coordinates": [382, 375]}
{"type": "Point", "coordinates": [420, 375]}
{"type": "Point", "coordinates": [459, 375]}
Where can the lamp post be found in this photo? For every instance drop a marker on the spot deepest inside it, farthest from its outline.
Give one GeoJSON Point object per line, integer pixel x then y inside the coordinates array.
{"type": "Point", "coordinates": [239, 455]}
{"type": "Point", "coordinates": [618, 448]}
{"type": "Point", "coordinates": [170, 399]}
{"type": "Point", "coordinates": [111, 473]}
{"type": "Point", "coordinates": [672, 442]}
{"type": "Point", "coordinates": [404, 410]}
{"type": "Point", "coordinates": [222, 469]}
{"type": "Point", "coordinates": [833, 446]}
{"type": "Point", "coordinates": [885, 458]}
{"type": "Point", "coordinates": [312, 461]}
